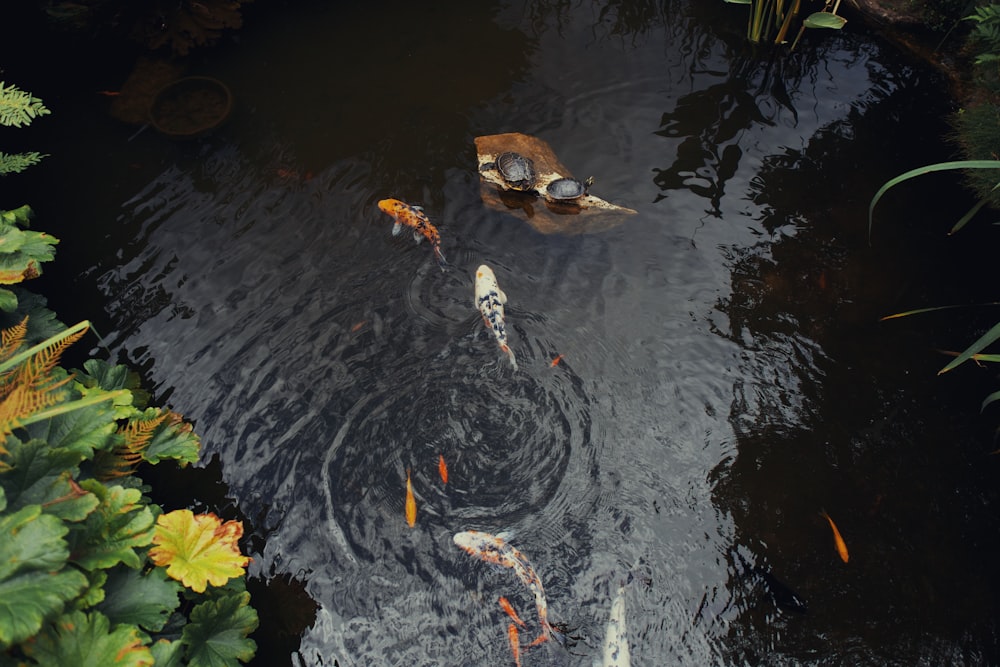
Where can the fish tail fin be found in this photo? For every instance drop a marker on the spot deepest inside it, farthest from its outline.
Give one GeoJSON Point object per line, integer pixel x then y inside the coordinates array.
{"type": "Point", "coordinates": [510, 353]}
{"type": "Point", "coordinates": [442, 262]}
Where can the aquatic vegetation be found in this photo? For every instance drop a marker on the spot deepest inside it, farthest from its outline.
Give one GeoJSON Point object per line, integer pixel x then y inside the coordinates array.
{"type": "Point", "coordinates": [771, 20]}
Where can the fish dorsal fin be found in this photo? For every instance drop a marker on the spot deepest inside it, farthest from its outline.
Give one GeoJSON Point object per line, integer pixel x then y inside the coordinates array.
{"type": "Point", "coordinates": [506, 535]}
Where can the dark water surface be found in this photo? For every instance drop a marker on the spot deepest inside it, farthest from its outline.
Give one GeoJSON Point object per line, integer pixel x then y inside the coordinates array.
{"type": "Point", "coordinates": [724, 375]}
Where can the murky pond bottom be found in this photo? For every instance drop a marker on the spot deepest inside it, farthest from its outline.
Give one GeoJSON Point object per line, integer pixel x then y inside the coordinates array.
{"type": "Point", "coordinates": [694, 386]}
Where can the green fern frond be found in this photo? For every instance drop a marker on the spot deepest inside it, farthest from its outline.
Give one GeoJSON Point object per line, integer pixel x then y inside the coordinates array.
{"type": "Point", "coordinates": [18, 108]}
{"type": "Point", "coordinates": [14, 163]}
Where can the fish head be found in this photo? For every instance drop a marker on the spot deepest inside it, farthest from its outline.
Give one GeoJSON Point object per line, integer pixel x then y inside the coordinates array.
{"type": "Point", "coordinates": [486, 281]}
{"type": "Point", "coordinates": [476, 542]}
{"type": "Point", "coordinates": [391, 206]}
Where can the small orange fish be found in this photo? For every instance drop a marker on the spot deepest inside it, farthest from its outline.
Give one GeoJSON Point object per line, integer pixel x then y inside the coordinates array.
{"type": "Point", "coordinates": [411, 503]}
{"type": "Point", "coordinates": [515, 643]}
{"type": "Point", "coordinates": [509, 608]}
{"type": "Point", "coordinates": [442, 468]}
{"type": "Point", "coordinates": [555, 362]}
{"type": "Point", "coordinates": [837, 539]}
{"type": "Point", "coordinates": [415, 218]}
{"type": "Point", "coordinates": [109, 93]}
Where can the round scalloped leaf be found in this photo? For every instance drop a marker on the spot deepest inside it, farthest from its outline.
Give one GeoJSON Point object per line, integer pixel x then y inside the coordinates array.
{"type": "Point", "coordinates": [87, 639]}
{"type": "Point", "coordinates": [217, 633]}
{"type": "Point", "coordinates": [198, 550]}
{"type": "Point", "coordinates": [112, 532]}
{"type": "Point", "coordinates": [146, 599]}
{"type": "Point", "coordinates": [41, 476]}
{"type": "Point", "coordinates": [33, 581]}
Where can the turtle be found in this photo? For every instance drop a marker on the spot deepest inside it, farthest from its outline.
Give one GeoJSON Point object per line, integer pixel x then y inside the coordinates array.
{"type": "Point", "coordinates": [567, 189]}
{"type": "Point", "coordinates": [517, 171]}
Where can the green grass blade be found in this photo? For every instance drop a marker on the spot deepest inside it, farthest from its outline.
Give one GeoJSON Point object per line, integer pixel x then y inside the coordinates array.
{"type": "Point", "coordinates": [920, 171]}
{"type": "Point", "coordinates": [984, 340]}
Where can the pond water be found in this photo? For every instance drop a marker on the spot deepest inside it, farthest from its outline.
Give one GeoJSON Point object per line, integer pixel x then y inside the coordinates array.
{"type": "Point", "coordinates": [723, 376]}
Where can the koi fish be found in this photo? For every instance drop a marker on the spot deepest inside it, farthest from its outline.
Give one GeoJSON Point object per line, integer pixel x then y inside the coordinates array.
{"type": "Point", "coordinates": [616, 651]}
{"type": "Point", "coordinates": [509, 608]}
{"type": "Point", "coordinates": [515, 643]}
{"type": "Point", "coordinates": [411, 503]}
{"type": "Point", "coordinates": [493, 549]}
{"type": "Point", "coordinates": [415, 218]}
{"type": "Point", "coordinates": [837, 539]}
{"type": "Point", "coordinates": [442, 468]}
{"type": "Point", "coordinates": [555, 362]}
{"type": "Point", "coordinates": [490, 300]}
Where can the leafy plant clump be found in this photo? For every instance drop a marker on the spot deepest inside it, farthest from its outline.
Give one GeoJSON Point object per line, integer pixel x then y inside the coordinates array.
{"type": "Point", "coordinates": [79, 584]}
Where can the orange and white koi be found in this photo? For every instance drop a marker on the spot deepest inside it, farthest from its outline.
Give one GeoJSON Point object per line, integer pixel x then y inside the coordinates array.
{"type": "Point", "coordinates": [442, 468]}
{"type": "Point", "coordinates": [515, 643]}
{"type": "Point", "coordinates": [414, 218]}
{"type": "Point", "coordinates": [490, 300]}
{"type": "Point", "coordinates": [494, 549]}
{"type": "Point", "coordinates": [411, 502]}
{"type": "Point", "coordinates": [837, 539]}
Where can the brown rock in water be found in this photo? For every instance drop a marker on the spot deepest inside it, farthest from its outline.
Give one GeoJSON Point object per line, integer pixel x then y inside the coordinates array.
{"type": "Point", "coordinates": [587, 214]}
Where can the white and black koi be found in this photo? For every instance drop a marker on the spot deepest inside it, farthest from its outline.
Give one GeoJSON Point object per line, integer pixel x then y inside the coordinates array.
{"type": "Point", "coordinates": [615, 652]}
{"type": "Point", "coordinates": [490, 301]}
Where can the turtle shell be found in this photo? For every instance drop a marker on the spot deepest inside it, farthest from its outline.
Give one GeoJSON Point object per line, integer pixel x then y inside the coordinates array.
{"type": "Point", "coordinates": [517, 170]}
{"type": "Point", "coordinates": [565, 189]}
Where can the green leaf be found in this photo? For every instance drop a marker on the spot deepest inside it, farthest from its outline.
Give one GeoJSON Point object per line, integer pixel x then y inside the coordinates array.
{"type": "Point", "coordinates": [168, 653]}
{"type": "Point", "coordinates": [94, 592]}
{"type": "Point", "coordinates": [112, 532]}
{"type": "Point", "coordinates": [142, 599]}
{"type": "Point", "coordinates": [18, 108]}
{"type": "Point", "coordinates": [87, 639]}
{"type": "Point", "coordinates": [8, 300]}
{"type": "Point", "coordinates": [99, 373]}
{"type": "Point", "coordinates": [22, 253]}
{"type": "Point", "coordinates": [79, 426]}
{"type": "Point", "coordinates": [33, 582]}
{"type": "Point", "coordinates": [984, 340]}
{"type": "Point", "coordinates": [824, 20]}
{"type": "Point", "coordinates": [217, 633]}
{"type": "Point", "coordinates": [42, 476]}
{"type": "Point", "coordinates": [176, 440]}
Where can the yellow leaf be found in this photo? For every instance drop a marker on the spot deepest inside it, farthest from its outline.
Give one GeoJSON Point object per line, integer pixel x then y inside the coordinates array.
{"type": "Point", "coordinates": [198, 549]}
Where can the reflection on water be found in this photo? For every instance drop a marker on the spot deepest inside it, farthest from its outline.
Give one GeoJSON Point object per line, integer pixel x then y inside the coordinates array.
{"type": "Point", "coordinates": [722, 377]}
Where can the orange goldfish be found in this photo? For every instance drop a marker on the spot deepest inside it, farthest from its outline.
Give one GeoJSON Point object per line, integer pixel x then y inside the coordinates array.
{"type": "Point", "coordinates": [555, 362]}
{"type": "Point", "coordinates": [415, 218]}
{"type": "Point", "coordinates": [509, 608]}
{"type": "Point", "coordinates": [515, 643]}
{"type": "Point", "coordinates": [411, 503]}
{"type": "Point", "coordinates": [493, 549]}
{"type": "Point", "coordinates": [837, 539]}
{"type": "Point", "coordinates": [442, 468]}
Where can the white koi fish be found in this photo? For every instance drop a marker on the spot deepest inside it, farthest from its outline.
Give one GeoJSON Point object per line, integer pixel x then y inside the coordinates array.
{"type": "Point", "coordinates": [490, 300]}
{"type": "Point", "coordinates": [493, 549]}
{"type": "Point", "coordinates": [616, 653]}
